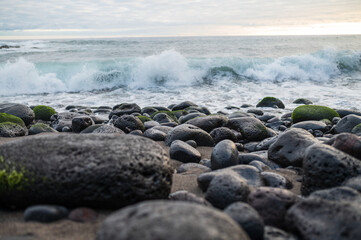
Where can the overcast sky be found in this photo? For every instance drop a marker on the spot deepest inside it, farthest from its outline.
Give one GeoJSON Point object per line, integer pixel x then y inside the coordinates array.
{"type": "Point", "coordinates": [98, 18]}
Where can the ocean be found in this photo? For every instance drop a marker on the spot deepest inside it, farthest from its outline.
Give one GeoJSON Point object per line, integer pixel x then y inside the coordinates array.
{"type": "Point", "coordinates": [215, 72]}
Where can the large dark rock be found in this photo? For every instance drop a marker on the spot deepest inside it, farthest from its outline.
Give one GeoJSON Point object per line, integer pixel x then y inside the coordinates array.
{"type": "Point", "coordinates": [224, 154]}
{"type": "Point", "coordinates": [155, 134]}
{"type": "Point", "coordinates": [183, 195]}
{"type": "Point", "coordinates": [251, 128]}
{"type": "Point", "coordinates": [225, 189]}
{"type": "Point", "coordinates": [124, 108]}
{"type": "Point", "coordinates": [187, 132]}
{"type": "Point", "coordinates": [346, 124]}
{"type": "Point", "coordinates": [80, 123]}
{"type": "Point", "coordinates": [91, 170]}
{"type": "Point", "coordinates": [313, 125]}
{"type": "Point", "coordinates": [184, 152]}
{"type": "Point", "coordinates": [345, 112]}
{"type": "Point", "coordinates": [19, 110]}
{"type": "Point", "coordinates": [272, 204]}
{"type": "Point", "coordinates": [326, 167]}
{"type": "Point", "coordinates": [275, 180]}
{"type": "Point", "coordinates": [176, 220]}
{"type": "Point", "coordinates": [191, 116]}
{"type": "Point", "coordinates": [9, 129]}
{"type": "Point", "coordinates": [209, 123]}
{"type": "Point", "coordinates": [222, 133]}
{"type": "Point", "coordinates": [128, 123]}
{"type": "Point", "coordinates": [184, 105]}
{"type": "Point", "coordinates": [289, 148]}
{"type": "Point", "coordinates": [248, 218]}
{"type": "Point", "coordinates": [338, 194]}
{"type": "Point", "coordinates": [316, 218]}
{"type": "Point", "coordinates": [271, 102]}
{"type": "Point", "coordinates": [348, 143]}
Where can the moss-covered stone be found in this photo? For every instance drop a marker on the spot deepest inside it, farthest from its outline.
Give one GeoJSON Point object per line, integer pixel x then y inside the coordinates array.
{"type": "Point", "coordinates": [144, 118]}
{"type": "Point", "coordinates": [313, 112]}
{"type": "Point", "coordinates": [357, 130]}
{"type": "Point", "coordinates": [11, 178]}
{"type": "Point", "coordinates": [179, 113]}
{"type": "Point", "coordinates": [40, 128]}
{"type": "Point", "coordinates": [10, 129]}
{"type": "Point", "coordinates": [169, 113]}
{"type": "Point", "coordinates": [270, 102]}
{"type": "Point", "coordinates": [326, 121]}
{"type": "Point", "coordinates": [43, 112]}
{"type": "Point", "coordinates": [4, 117]}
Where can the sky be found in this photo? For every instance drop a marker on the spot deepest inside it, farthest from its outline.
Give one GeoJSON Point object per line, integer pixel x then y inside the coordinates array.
{"type": "Point", "coordinates": [133, 18]}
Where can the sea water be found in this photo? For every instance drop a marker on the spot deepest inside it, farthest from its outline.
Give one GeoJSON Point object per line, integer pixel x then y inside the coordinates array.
{"type": "Point", "coordinates": [212, 71]}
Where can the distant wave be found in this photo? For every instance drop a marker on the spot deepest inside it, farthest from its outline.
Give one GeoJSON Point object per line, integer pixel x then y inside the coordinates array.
{"type": "Point", "coordinates": [171, 69]}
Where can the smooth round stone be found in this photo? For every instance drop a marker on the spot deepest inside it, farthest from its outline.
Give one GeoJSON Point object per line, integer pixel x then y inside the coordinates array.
{"type": "Point", "coordinates": [183, 105]}
{"type": "Point", "coordinates": [256, 111]}
{"type": "Point", "coordinates": [225, 189]}
{"type": "Point", "coordinates": [272, 204]}
{"type": "Point", "coordinates": [251, 128]}
{"type": "Point", "coordinates": [357, 130]}
{"type": "Point", "coordinates": [155, 134]}
{"type": "Point", "coordinates": [206, 162]}
{"type": "Point", "coordinates": [190, 116]}
{"type": "Point", "coordinates": [209, 123]}
{"type": "Point", "coordinates": [274, 180]}
{"type": "Point", "coordinates": [239, 114]}
{"type": "Point", "coordinates": [338, 194]}
{"type": "Point", "coordinates": [345, 112]}
{"type": "Point", "coordinates": [188, 197]}
{"type": "Point", "coordinates": [107, 129]}
{"type": "Point", "coordinates": [302, 101]}
{"type": "Point", "coordinates": [289, 148]}
{"type": "Point", "coordinates": [162, 118]}
{"type": "Point", "coordinates": [248, 218]}
{"type": "Point", "coordinates": [61, 120]}
{"type": "Point", "coordinates": [348, 143]}
{"type": "Point", "coordinates": [83, 215]}
{"type": "Point", "coordinates": [128, 123]}
{"type": "Point", "coordinates": [222, 133]}
{"type": "Point", "coordinates": [314, 125]}
{"type": "Point", "coordinates": [354, 183]}
{"type": "Point", "coordinates": [186, 167]}
{"type": "Point", "coordinates": [326, 167]}
{"type": "Point", "coordinates": [183, 152]}
{"type": "Point", "coordinates": [84, 170]}
{"type": "Point", "coordinates": [19, 110]}
{"type": "Point", "coordinates": [40, 128]}
{"type": "Point", "coordinates": [80, 123]}
{"type": "Point", "coordinates": [187, 132]}
{"type": "Point", "coordinates": [124, 109]}
{"type": "Point", "coordinates": [192, 143]}
{"type": "Point", "coordinates": [246, 158]}
{"type": "Point", "coordinates": [346, 124]}
{"type": "Point", "coordinates": [266, 143]}
{"type": "Point", "coordinates": [137, 133]}
{"type": "Point", "coordinates": [45, 213]}
{"type": "Point", "coordinates": [259, 165]}
{"type": "Point", "coordinates": [176, 220]}
{"type": "Point", "coordinates": [271, 102]}
{"type": "Point", "coordinates": [150, 124]}
{"type": "Point", "coordinates": [224, 154]}
{"type": "Point", "coordinates": [9, 129]}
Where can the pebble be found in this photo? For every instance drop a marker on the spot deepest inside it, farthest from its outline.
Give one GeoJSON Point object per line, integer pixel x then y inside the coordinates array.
{"type": "Point", "coordinates": [45, 213]}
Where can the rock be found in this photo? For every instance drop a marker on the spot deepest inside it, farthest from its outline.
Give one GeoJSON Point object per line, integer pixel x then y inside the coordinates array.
{"type": "Point", "coordinates": [222, 133]}
{"type": "Point", "coordinates": [225, 189]}
{"type": "Point", "coordinates": [83, 215]}
{"type": "Point", "coordinates": [266, 143]}
{"type": "Point", "coordinates": [150, 124]}
{"type": "Point", "coordinates": [246, 158]}
{"type": "Point", "coordinates": [189, 167]}
{"type": "Point", "coordinates": [192, 143]}
{"type": "Point", "coordinates": [289, 148]}
{"type": "Point", "coordinates": [124, 109]}
{"type": "Point", "coordinates": [275, 180]}
{"type": "Point", "coordinates": [187, 132]}
{"type": "Point", "coordinates": [357, 130]}
{"type": "Point", "coordinates": [256, 111]}
{"type": "Point", "coordinates": [183, 152]}
{"type": "Point", "coordinates": [110, 129]}
{"type": "Point", "coordinates": [224, 154]}
{"type": "Point", "coordinates": [326, 167]}
{"type": "Point", "coordinates": [43, 112]}
{"type": "Point", "coordinates": [315, 218]}
{"type": "Point", "coordinates": [8, 118]}
{"type": "Point", "coordinates": [76, 169]}
{"type": "Point", "coordinates": [18, 110]}
{"type": "Point", "coordinates": [9, 129]}
{"type": "Point", "coordinates": [155, 134]}
{"type": "Point", "coordinates": [137, 133]}
{"type": "Point", "coordinates": [313, 112]}
{"type": "Point", "coordinates": [144, 119]}
{"type": "Point", "coordinates": [346, 124]}
{"type": "Point", "coordinates": [354, 183]}
{"type": "Point", "coordinates": [259, 165]}
{"type": "Point", "coordinates": [314, 125]}
{"type": "Point", "coordinates": [206, 162]}
{"type": "Point", "coordinates": [150, 110]}
{"type": "Point", "coordinates": [45, 213]}
{"type": "Point", "coordinates": [184, 105]}
{"type": "Point", "coordinates": [348, 143]}
{"type": "Point", "coordinates": [190, 116]}
{"type": "Point", "coordinates": [251, 128]}
{"type": "Point", "coordinates": [271, 102]}
{"type": "Point", "coordinates": [272, 233]}
{"type": "Point", "coordinates": [248, 218]}
{"type": "Point", "coordinates": [239, 114]}
{"type": "Point", "coordinates": [40, 128]}
{"type": "Point", "coordinates": [337, 194]}
{"type": "Point", "coordinates": [345, 112]}
{"type": "Point", "coordinates": [249, 173]}
{"type": "Point", "coordinates": [272, 204]}
{"type": "Point", "coordinates": [128, 123]}
{"type": "Point", "coordinates": [189, 197]}
{"type": "Point", "coordinates": [266, 117]}
{"type": "Point", "coordinates": [209, 123]}
{"type": "Point", "coordinates": [155, 220]}
{"type": "Point", "coordinates": [302, 101]}
{"type": "Point", "coordinates": [61, 120]}
{"type": "Point", "coordinates": [92, 128]}
{"type": "Point", "coordinates": [162, 117]}
{"type": "Point", "coordinates": [80, 123]}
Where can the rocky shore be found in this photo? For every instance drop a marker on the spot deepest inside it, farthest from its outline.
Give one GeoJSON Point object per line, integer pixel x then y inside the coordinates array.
{"type": "Point", "coordinates": [180, 172]}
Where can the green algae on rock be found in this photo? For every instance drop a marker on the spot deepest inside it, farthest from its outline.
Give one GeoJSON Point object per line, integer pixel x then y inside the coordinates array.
{"type": "Point", "coordinates": [270, 102]}
{"type": "Point", "coordinates": [43, 112]}
{"type": "Point", "coordinates": [4, 117]}
{"type": "Point", "coordinates": [144, 118]}
{"type": "Point", "coordinates": [313, 112]}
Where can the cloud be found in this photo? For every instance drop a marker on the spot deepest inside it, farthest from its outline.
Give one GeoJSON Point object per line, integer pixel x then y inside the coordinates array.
{"type": "Point", "coordinates": [137, 16]}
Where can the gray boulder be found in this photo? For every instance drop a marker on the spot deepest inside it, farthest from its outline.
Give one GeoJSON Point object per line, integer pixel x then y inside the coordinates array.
{"type": "Point", "coordinates": [124, 109]}
{"type": "Point", "coordinates": [92, 170]}
{"type": "Point", "coordinates": [221, 133]}
{"type": "Point", "coordinates": [183, 105]}
{"type": "Point", "coordinates": [19, 110]}
{"type": "Point", "coordinates": [348, 143]}
{"type": "Point", "coordinates": [40, 128]}
{"type": "Point", "coordinates": [184, 152]}
{"type": "Point", "coordinates": [80, 123]}
{"type": "Point", "coordinates": [224, 154]}
{"type": "Point", "coordinates": [289, 148]}
{"type": "Point", "coordinates": [187, 132]}
{"type": "Point", "coordinates": [9, 129]}
{"type": "Point", "coordinates": [210, 122]}
{"type": "Point", "coordinates": [155, 134]}
{"type": "Point", "coordinates": [326, 167]}
{"type": "Point", "coordinates": [347, 123]}
{"type": "Point", "coordinates": [251, 128]}
{"type": "Point", "coordinates": [128, 123]}
{"type": "Point", "coordinates": [313, 125]}
{"type": "Point", "coordinates": [354, 183]}
{"type": "Point", "coordinates": [176, 220]}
